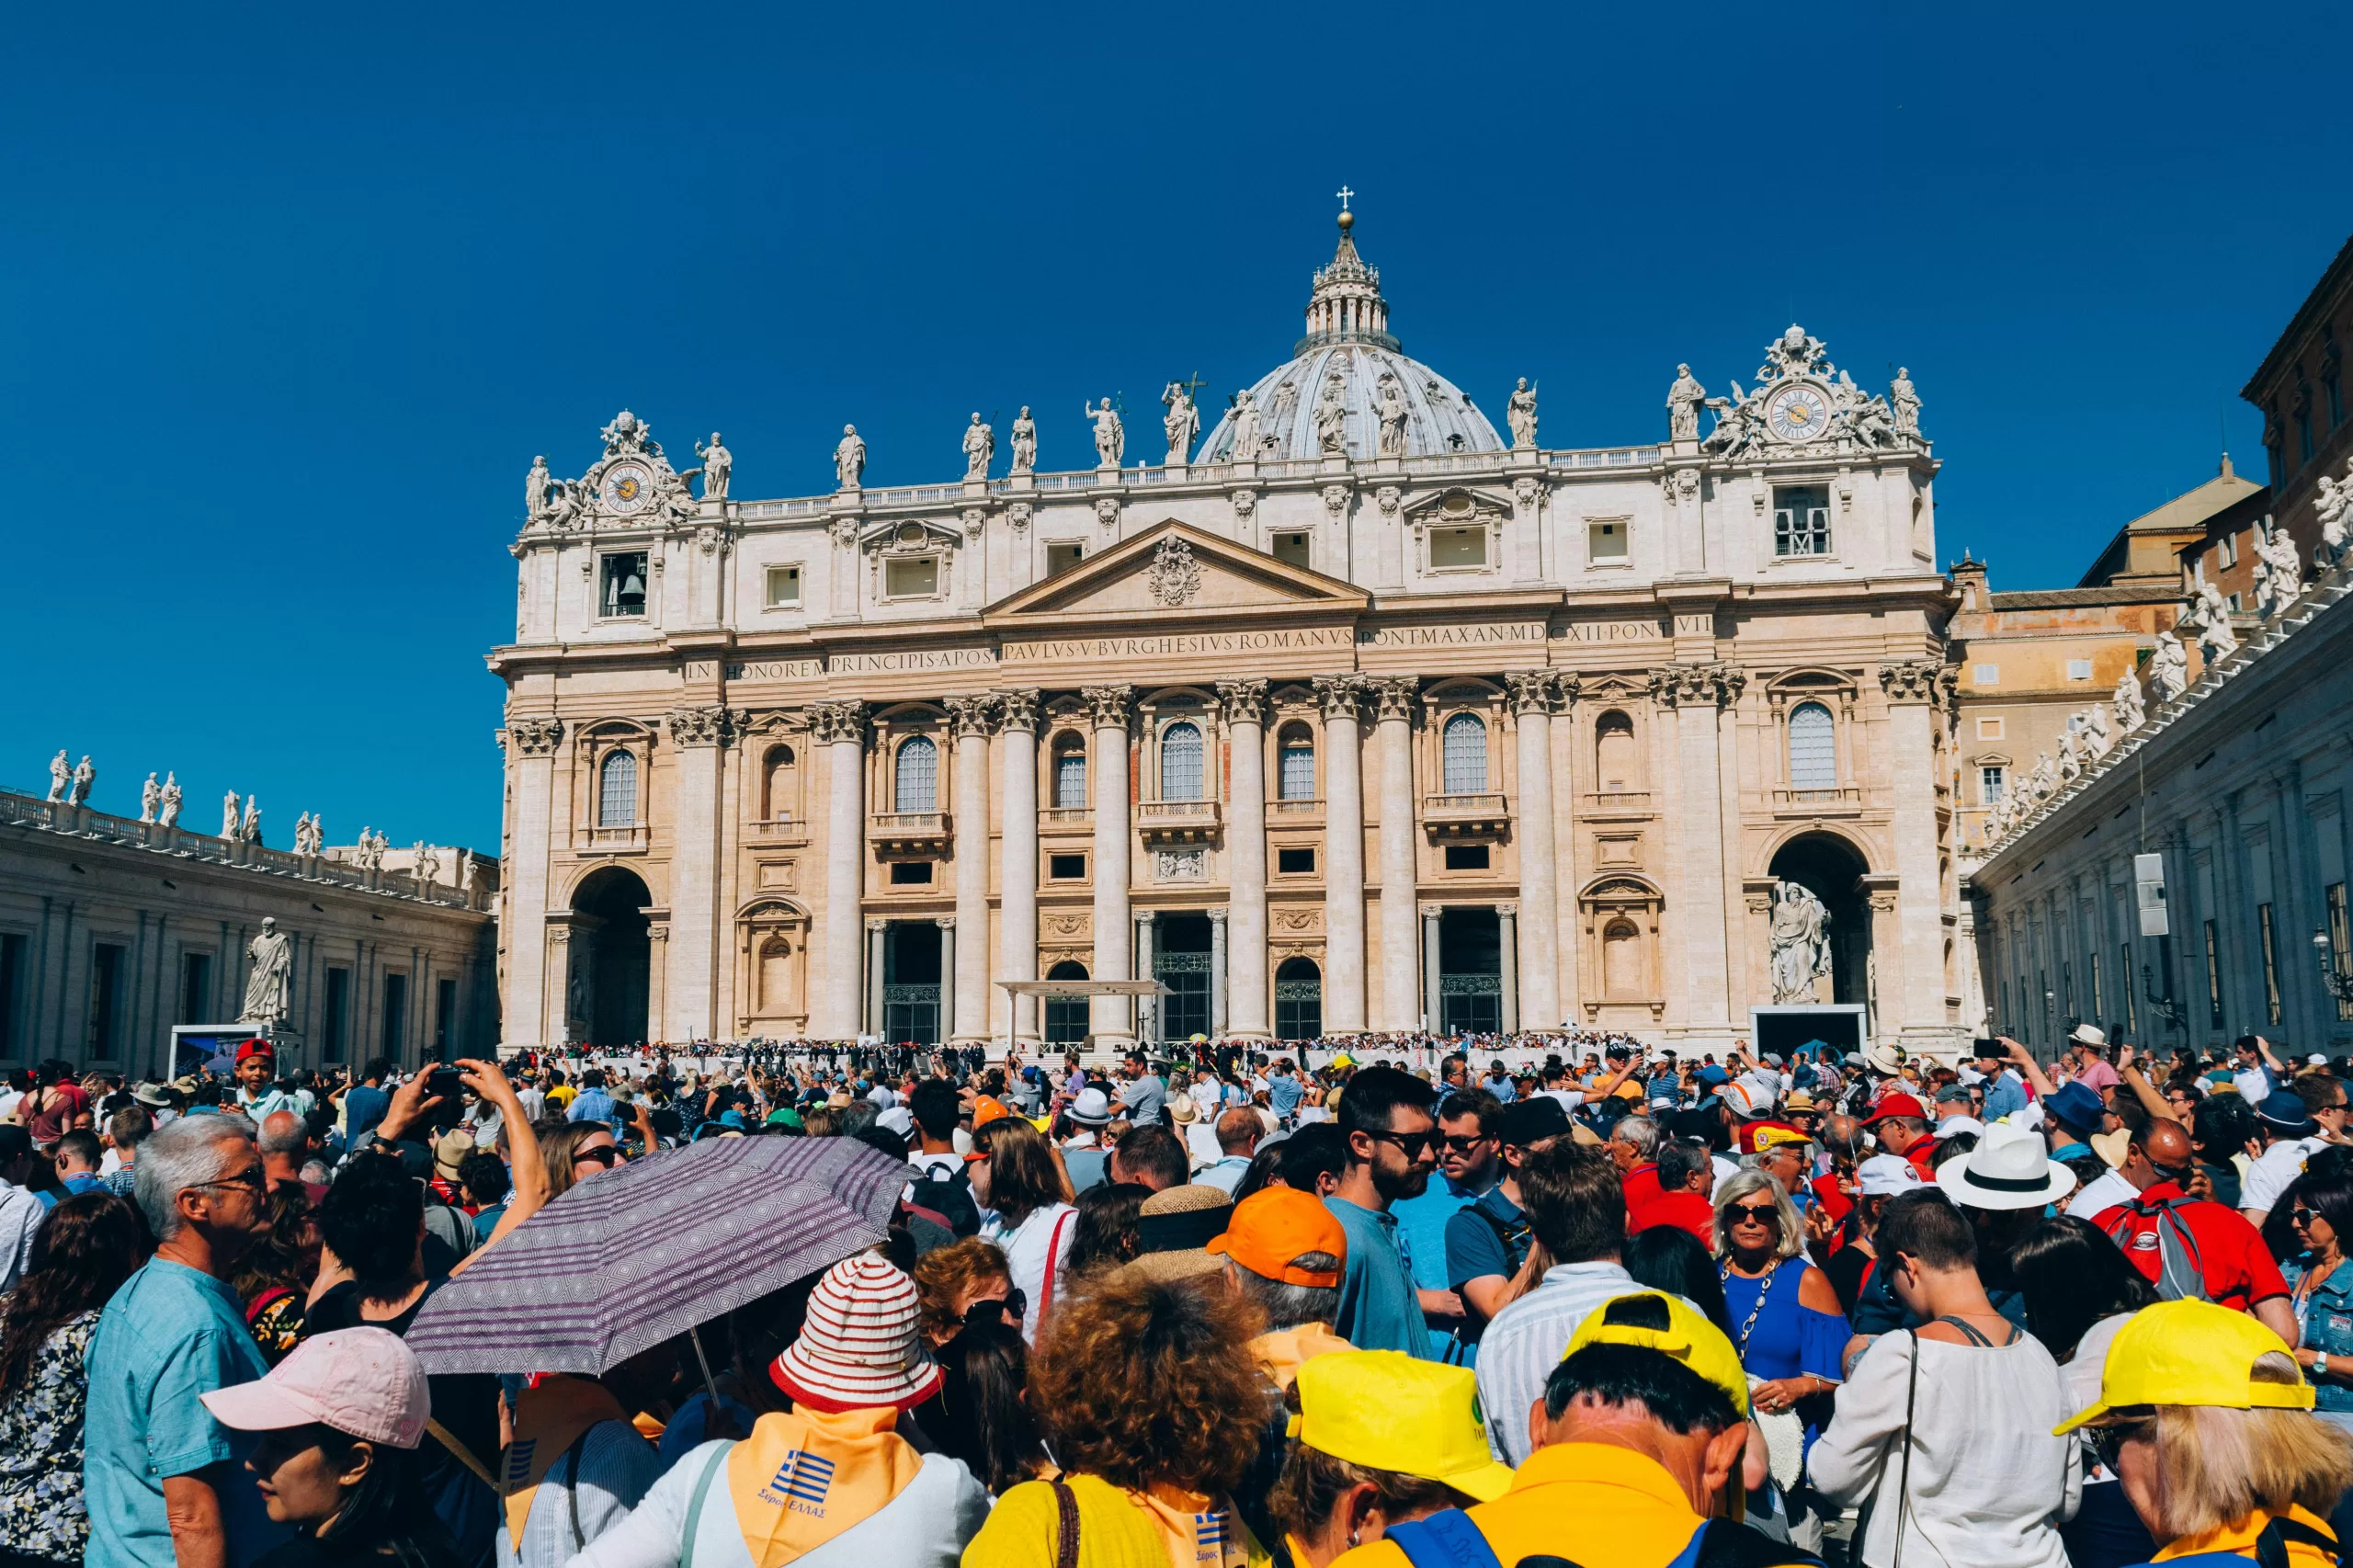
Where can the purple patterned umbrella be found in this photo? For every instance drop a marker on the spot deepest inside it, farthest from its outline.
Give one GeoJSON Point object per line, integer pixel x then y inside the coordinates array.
{"type": "Point", "coordinates": [638, 1255]}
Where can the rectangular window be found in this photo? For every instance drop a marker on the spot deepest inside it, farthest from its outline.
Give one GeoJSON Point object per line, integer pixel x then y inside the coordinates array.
{"type": "Point", "coordinates": [12, 980]}
{"type": "Point", "coordinates": [2332, 386]}
{"type": "Point", "coordinates": [2279, 465]}
{"type": "Point", "coordinates": [1060, 558]}
{"type": "Point", "coordinates": [2214, 979]}
{"type": "Point", "coordinates": [2131, 988]}
{"type": "Point", "coordinates": [2271, 963]}
{"type": "Point", "coordinates": [2079, 669]}
{"type": "Point", "coordinates": [912, 579]}
{"type": "Point", "coordinates": [2007, 1022]}
{"type": "Point", "coordinates": [445, 1018]}
{"type": "Point", "coordinates": [1606, 543]}
{"type": "Point", "coordinates": [338, 1016]}
{"type": "Point", "coordinates": [1456, 550]}
{"type": "Point", "coordinates": [105, 1000]}
{"type": "Point", "coordinates": [2165, 967]}
{"type": "Point", "coordinates": [1989, 783]}
{"type": "Point", "coordinates": [910, 873]}
{"type": "Point", "coordinates": [2229, 551]}
{"type": "Point", "coordinates": [1801, 519]}
{"type": "Point", "coordinates": [1292, 550]}
{"type": "Point", "coordinates": [2340, 940]}
{"type": "Point", "coordinates": [624, 589]}
{"type": "Point", "coordinates": [1989, 729]}
{"type": "Point", "coordinates": [2234, 604]}
{"type": "Point", "coordinates": [784, 588]}
{"type": "Point", "coordinates": [2067, 1013]}
{"type": "Point", "coordinates": [1295, 862]}
{"type": "Point", "coordinates": [1466, 856]}
{"type": "Point", "coordinates": [2042, 996]}
{"type": "Point", "coordinates": [196, 987]}
{"type": "Point", "coordinates": [2099, 1002]}
{"type": "Point", "coordinates": [2304, 446]}
{"type": "Point", "coordinates": [1067, 868]}
{"type": "Point", "coordinates": [1985, 675]}
{"type": "Point", "coordinates": [395, 1015]}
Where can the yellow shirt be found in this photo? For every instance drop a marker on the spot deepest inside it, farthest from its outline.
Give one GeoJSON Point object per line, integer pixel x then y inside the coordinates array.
{"type": "Point", "coordinates": [561, 1095]}
{"type": "Point", "coordinates": [2240, 1538]}
{"type": "Point", "coordinates": [1598, 1505]}
{"type": "Point", "coordinates": [1024, 1529]}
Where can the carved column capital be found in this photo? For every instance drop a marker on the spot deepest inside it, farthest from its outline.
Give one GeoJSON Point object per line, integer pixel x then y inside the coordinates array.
{"type": "Point", "coordinates": [834, 724]}
{"type": "Point", "coordinates": [1108, 706]}
{"type": "Point", "coordinates": [1017, 513]}
{"type": "Point", "coordinates": [972, 715]}
{"type": "Point", "coordinates": [1395, 697]}
{"type": "Point", "coordinates": [700, 726]}
{"type": "Point", "coordinates": [533, 737]}
{"type": "Point", "coordinates": [1570, 685]}
{"type": "Point", "coordinates": [1340, 694]}
{"type": "Point", "coordinates": [1335, 500]}
{"type": "Point", "coordinates": [1243, 701]}
{"type": "Point", "coordinates": [1531, 690]}
{"type": "Point", "coordinates": [1915, 680]}
{"type": "Point", "coordinates": [1017, 709]}
{"type": "Point", "coordinates": [1675, 685]}
{"type": "Point", "coordinates": [1106, 511]}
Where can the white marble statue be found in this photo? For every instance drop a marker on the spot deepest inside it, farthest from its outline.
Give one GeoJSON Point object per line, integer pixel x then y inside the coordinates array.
{"type": "Point", "coordinates": [2210, 613]}
{"type": "Point", "coordinates": [2071, 755]}
{"type": "Point", "coordinates": [2129, 712]}
{"type": "Point", "coordinates": [850, 458]}
{"type": "Point", "coordinates": [170, 814]}
{"type": "Point", "coordinates": [1025, 442]}
{"type": "Point", "coordinates": [84, 777]}
{"type": "Point", "coordinates": [267, 982]}
{"type": "Point", "coordinates": [61, 776]}
{"type": "Point", "coordinates": [1181, 425]}
{"type": "Point", "coordinates": [425, 865]}
{"type": "Point", "coordinates": [307, 834]}
{"type": "Point", "coordinates": [2169, 667]}
{"type": "Point", "coordinates": [2098, 735]}
{"type": "Point", "coordinates": [1800, 933]}
{"type": "Point", "coordinates": [2332, 508]}
{"type": "Point", "coordinates": [469, 873]}
{"type": "Point", "coordinates": [361, 850]}
{"type": "Point", "coordinates": [229, 816]}
{"type": "Point", "coordinates": [1905, 400]}
{"type": "Point", "coordinates": [249, 829]}
{"type": "Point", "coordinates": [150, 793]}
{"type": "Point", "coordinates": [718, 467]}
{"type": "Point", "coordinates": [1389, 401]}
{"type": "Point", "coordinates": [2279, 570]}
{"type": "Point", "coordinates": [1684, 401]}
{"type": "Point", "coordinates": [1110, 435]}
{"type": "Point", "coordinates": [1520, 412]}
{"type": "Point", "coordinates": [980, 445]}
{"type": "Point", "coordinates": [536, 485]}
{"type": "Point", "coordinates": [1331, 416]}
{"type": "Point", "coordinates": [2042, 781]}
{"type": "Point", "coordinates": [1738, 427]}
{"type": "Point", "coordinates": [1246, 427]}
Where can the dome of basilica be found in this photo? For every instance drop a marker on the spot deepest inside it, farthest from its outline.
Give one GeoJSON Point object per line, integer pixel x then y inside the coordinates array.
{"type": "Point", "coordinates": [1347, 337]}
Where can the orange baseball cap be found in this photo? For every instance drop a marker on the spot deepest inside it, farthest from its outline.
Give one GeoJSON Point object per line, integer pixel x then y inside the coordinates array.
{"type": "Point", "coordinates": [1276, 1224]}
{"type": "Point", "coordinates": [985, 1110]}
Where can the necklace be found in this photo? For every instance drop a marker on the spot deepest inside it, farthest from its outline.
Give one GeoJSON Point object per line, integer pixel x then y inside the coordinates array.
{"type": "Point", "coordinates": [1764, 1288]}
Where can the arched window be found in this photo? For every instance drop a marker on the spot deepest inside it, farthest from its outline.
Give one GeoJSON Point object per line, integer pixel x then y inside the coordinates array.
{"type": "Point", "coordinates": [1464, 748]}
{"type": "Point", "coordinates": [782, 783]}
{"type": "Point", "coordinates": [616, 789]}
{"type": "Point", "coordinates": [1621, 961]}
{"type": "Point", "coordinates": [1180, 762]}
{"type": "Point", "coordinates": [1814, 748]}
{"type": "Point", "coordinates": [1614, 753]}
{"type": "Point", "coordinates": [916, 786]}
{"type": "Point", "coordinates": [1070, 772]}
{"type": "Point", "coordinates": [1296, 776]}
{"type": "Point", "coordinates": [776, 974]}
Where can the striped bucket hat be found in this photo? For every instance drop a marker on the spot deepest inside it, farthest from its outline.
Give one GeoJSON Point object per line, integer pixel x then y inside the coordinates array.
{"type": "Point", "coordinates": [859, 1348]}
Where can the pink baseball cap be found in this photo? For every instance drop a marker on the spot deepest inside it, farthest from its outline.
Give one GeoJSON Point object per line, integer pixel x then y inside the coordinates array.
{"type": "Point", "coordinates": [364, 1382]}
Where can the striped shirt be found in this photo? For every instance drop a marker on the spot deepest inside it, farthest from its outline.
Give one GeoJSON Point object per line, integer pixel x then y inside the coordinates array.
{"type": "Point", "coordinates": [1527, 1340]}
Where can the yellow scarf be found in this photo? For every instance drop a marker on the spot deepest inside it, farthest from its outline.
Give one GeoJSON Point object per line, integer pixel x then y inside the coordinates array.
{"type": "Point", "coordinates": [804, 1476]}
{"type": "Point", "coordinates": [550, 1417]}
{"type": "Point", "coordinates": [1197, 1530]}
{"type": "Point", "coordinates": [1281, 1352]}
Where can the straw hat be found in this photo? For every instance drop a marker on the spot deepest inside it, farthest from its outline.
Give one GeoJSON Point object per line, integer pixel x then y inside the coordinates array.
{"type": "Point", "coordinates": [859, 1348]}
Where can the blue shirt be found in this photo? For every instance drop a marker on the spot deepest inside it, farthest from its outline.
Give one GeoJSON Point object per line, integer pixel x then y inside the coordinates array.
{"type": "Point", "coordinates": [170, 1335]}
{"type": "Point", "coordinates": [2005, 1096]}
{"type": "Point", "coordinates": [1378, 1308]}
{"type": "Point", "coordinates": [590, 1105]}
{"type": "Point", "coordinates": [2326, 1313]}
{"type": "Point", "coordinates": [1283, 1093]}
{"type": "Point", "coordinates": [1421, 1228]}
{"type": "Point", "coordinates": [363, 1110]}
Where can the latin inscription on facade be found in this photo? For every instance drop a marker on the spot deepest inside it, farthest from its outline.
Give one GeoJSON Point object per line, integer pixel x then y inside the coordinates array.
{"type": "Point", "coordinates": [1608, 631]}
{"type": "Point", "coordinates": [1271, 641]}
{"type": "Point", "coordinates": [1451, 636]}
{"type": "Point", "coordinates": [912, 659]}
{"type": "Point", "coordinates": [777, 669]}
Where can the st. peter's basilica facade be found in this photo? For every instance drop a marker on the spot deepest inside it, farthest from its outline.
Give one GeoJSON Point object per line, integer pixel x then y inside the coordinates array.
{"type": "Point", "coordinates": [1354, 714]}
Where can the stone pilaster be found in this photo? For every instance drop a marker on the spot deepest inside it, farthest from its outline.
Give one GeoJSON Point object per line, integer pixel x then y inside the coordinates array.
{"type": "Point", "coordinates": [1433, 982]}
{"type": "Point", "coordinates": [1341, 696]}
{"type": "Point", "coordinates": [1217, 974]}
{"type": "Point", "coordinates": [950, 1008]}
{"type": "Point", "coordinates": [1394, 734]}
{"type": "Point", "coordinates": [1017, 870]}
{"type": "Point", "coordinates": [1507, 946]}
{"type": "Point", "coordinates": [967, 984]}
{"type": "Point", "coordinates": [531, 761]}
{"type": "Point", "coordinates": [840, 729]}
{"type": "Point", "coordinates": [1914, 688]}
{"type": "Point", "coordinates": [1539, 998]}
{"type": "Point", "coordinates": [1110, 1017]}
{"type": "Point", "coordinates": [1698, 954]}
{"type": "Point", "coordinates": [1246, 842]}
{"type": "Point", "coordinates": [690, 989]}
{"type": "Point", "coordinates": [878, 937]}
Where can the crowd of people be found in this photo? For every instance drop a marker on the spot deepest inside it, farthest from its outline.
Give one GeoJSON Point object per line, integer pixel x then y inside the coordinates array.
{"type": "Point", "coordinates": [1602, 1304]}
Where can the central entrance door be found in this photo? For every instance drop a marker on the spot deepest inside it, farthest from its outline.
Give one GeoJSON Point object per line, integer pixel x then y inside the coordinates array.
{"type": "Point", "coordinates": [1181, 962]}
{"type": "Point", "coordinates": [1066, 1016]}
{"type": "Point", "coordinates": [1299, 1000]}
{"type": "Point", "coordinates": [1470, 967]}
{"type": "Point", "coordinates": [911, 983]}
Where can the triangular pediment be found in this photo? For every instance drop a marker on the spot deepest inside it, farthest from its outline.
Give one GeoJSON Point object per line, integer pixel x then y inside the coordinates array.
{"type": "Point", "coordinates": [1177, 572]}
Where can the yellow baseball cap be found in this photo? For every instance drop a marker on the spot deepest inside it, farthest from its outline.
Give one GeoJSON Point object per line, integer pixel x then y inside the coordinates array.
{"type": "Point", "coordinates": [1689, 1337]}
{"type": "Point", "coordinates": [1342, 1059]}
{"type": "Point", "coordinates": [1386, 1410]}
{"type": "Point", "coordinates": [2189, 1353]}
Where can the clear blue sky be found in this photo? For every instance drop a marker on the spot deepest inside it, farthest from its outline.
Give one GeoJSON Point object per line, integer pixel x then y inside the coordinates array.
{"type": "Point", "coordinates": [294, 294]}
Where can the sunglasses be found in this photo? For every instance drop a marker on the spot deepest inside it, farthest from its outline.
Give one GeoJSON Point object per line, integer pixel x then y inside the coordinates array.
{"type": "Point", "coordinates": [254, 1179]}
{"type": "Point", "coordinates": [1410, 1145]}
{"type": "Point", "coordinates": [1461, 1144]}
{"type": "Point", "coordinates": [2106, 1441]}
{"type": "Point", "coordinates": [1005, 1309]}
{"type": "Point", "coordinates": [604, 1154]}
{"type": "Point", "coordinates": [2303, 1216]}
{"type": "Point", "coordinates": [1753, 1213]}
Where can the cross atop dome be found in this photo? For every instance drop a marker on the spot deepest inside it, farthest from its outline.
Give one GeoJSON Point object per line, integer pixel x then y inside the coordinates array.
{"type": "Point", "coordinates": [1346, 305]}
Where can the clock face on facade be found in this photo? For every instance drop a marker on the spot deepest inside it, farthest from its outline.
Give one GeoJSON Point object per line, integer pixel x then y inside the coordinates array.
{"type": "Point", "coordinates": [1797, 413]}
{"type": "Point", "coordinates": [627, 488]}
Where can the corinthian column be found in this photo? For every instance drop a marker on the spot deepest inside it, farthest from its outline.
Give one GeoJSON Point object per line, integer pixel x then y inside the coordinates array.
{"type": "Point", "coordinates": [1343, 854]}
{"type": "Point", "coordinates": [1246, 856]}
{"type": "Point", "coordinates": [1018, 871]}
{"type": "Point", "coordinates": [1110, 1017]}
{"type": "Point", "coordinates": [1394, 744]}
{"type": "Point", "coordinates": [1539, 990]}
{"type": "Point", "coordinates": [974, 718]}
{"type": "Point", "coordinates": [530, 763]}
{"type": "Point", "coordinates": [840, 728]}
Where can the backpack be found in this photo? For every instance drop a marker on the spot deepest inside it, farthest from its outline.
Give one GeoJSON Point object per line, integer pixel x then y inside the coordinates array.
{"type": "Point", "coordinates": [2179, 1273]}
{"type": "Point", "coordinates": [951, 1198]}
{"type": "Point", "coordinates": [1449, 1539]}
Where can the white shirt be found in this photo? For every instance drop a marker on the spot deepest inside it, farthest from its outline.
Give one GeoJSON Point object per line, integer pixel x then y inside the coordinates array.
{"type": "Point", "coordinates": [1038, 1245]}
{"type": "Point", "coordinates": [1526, 1339]}
{"type": "Point", "coordinates": [1988, 1481]}
{"type": "Point", "coordinates": [617, 1466]}
{"type": "Point", "coordinates": [2253, 1084]}
{"type": "Point", "coordinates": [937, 1167]}
{"type": "Point", "coordinates": [1202, 1144]}
{"type": "Point", "coordinates": [2106, 1193]}
{"type": "Point", "coordinates": [2276, 1166]}
{"type": "Point", "coordinates": [20, 1217]}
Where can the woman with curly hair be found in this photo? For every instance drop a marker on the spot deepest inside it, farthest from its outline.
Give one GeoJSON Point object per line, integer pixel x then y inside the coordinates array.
{"type": "Point", "coordinates": [274, 1279]}
{"type": "Point", "coordinates": [954, 1280]}
{"type": "Point", "coordinates": [1154, 1407]}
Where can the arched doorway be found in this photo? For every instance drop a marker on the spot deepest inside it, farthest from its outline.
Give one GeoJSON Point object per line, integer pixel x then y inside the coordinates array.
{"type": "Point", "coordinates": [1066, 1016]}
{"type": "Point", "coordinates": [1299, 1000]}
{"type": "Point", "coordinates": [1831, 868]}
{"type": "Point", "coordinates": [611, 958]}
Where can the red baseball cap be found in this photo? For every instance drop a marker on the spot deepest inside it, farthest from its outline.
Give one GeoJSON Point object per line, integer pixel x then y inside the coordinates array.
{"type": "Point", "coordinates": [257, 1048]}
{"type": "Point", "coordinates": [1896, 1105]}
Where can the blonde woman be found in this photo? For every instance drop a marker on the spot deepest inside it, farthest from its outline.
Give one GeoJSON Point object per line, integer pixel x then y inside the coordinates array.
{"type": "Point", "coordinates": [1784, 1316]}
